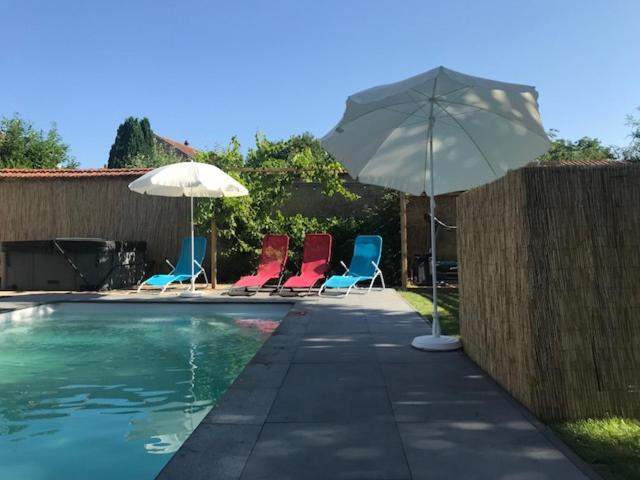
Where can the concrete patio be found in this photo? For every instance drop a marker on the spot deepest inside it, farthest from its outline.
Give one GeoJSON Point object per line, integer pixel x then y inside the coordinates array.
{"type": "Point", "coordinates": [338, 393]}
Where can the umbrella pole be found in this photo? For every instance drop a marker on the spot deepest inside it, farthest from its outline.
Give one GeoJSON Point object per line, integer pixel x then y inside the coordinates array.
{"type": "Point", "coordinates": [193, 252]}
{"type": "Point", "coordinates": [191, 291]}
{"type": "Point", "coordinates": [435, 325]}
{"type": "Point", "coordinates": [435, 341]}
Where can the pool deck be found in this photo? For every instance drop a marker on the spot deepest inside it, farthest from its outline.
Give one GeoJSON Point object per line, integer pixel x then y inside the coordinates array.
{"type": "Point", "coordinates": [337, 392]}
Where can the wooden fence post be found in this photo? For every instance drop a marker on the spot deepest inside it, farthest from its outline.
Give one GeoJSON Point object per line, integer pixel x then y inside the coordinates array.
{"type": "Point", "coordinates": [404, 268]}
{"type": "Point", "coordinates": [214, 254]}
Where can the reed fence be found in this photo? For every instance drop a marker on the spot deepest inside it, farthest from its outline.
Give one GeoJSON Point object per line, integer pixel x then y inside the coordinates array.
{"type": "Point", "coordinates": [100, 207]}
{"type": "Point", "coordinates": [550, 287]}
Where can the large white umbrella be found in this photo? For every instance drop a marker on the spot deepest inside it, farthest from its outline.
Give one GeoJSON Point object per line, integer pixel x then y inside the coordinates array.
{"type": "Point", "coordinates": [188, 179]}
{"type": "Point", "coordinates": [438, 132]}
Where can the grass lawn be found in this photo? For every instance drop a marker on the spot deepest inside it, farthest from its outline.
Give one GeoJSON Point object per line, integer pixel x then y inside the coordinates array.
{"type": "Point", "coordinates": [448, 305]}
{"type": "Point", "coordinates": [611, 446]}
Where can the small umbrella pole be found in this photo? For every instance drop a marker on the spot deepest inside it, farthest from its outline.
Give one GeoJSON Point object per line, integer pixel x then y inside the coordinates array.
{"type": "Point", "coordinates": [193, 253]}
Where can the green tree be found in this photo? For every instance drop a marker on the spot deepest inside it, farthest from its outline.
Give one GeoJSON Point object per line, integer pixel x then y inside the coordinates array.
{"type": "Point", "coordinates": [586, 148]}
{"type": "Point", "coordinates": [243, 221]}
{"type": "Point", "coordinates": [631, 152]}
{"type": "Point", "coordinates": [134, 145]}
{"type": "Point", "coordinates": [22, 146]}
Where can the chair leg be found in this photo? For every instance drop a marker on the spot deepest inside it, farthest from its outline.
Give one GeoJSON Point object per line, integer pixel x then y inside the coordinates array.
{"type": "Point", "coordinates": [206, 279]}
{"type": "Point", "coordinates": [372, 282]}
{"type": "Point", "coordinates": [382, 280]}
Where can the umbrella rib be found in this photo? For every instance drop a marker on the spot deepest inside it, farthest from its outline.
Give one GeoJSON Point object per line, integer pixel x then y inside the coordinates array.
{"type": "Point", "coordinates": [494, 113]}
{"type": "Point", "coordinates": [385, 107]}
{"type": "Point", "coordinates": [386, 138]}
{"type": "Point", "coordinates": [470, 138]}
{"type": "Point", "coordinates": [466, 87]}
{"type": "Point", "coordinates": [399, 111]}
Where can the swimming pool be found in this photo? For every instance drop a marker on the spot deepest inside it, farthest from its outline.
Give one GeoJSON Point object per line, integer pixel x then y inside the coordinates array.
{"type": "Point", "coordinates": [110, 390]}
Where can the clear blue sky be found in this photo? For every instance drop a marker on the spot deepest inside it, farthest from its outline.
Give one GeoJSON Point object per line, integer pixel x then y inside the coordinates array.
{"type": "Point", "coordinates": [206, 70]}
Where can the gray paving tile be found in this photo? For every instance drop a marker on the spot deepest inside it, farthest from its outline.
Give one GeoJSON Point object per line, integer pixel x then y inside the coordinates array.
{"type": "Point", "coordinates": [335, 354]}
{"type": "Point", "coordinates": [482, 451]}
{"type": "Point", "coordinates": [283, 340]}
{"type": "Point", "coordinates": [334, 374]}
{"type": "Point", "coordinates": [243, 406]}
{"type": "Point", "coordinates": [335, 403]}
{"type": "Point", "coordinates": [338, 339]}
{"type": "Point", "coordinates": [291, 328]}
{"type": "Point", "coordinates": [351, 325]}
{"type": "Point", "coordinates": [212, 452]}
{"type": "Point", "coordinates": [422, 404]}
{"type": "Point", "coordinates": [272, 354]}
{"type": "Point", "coordinates": [261, 375]}
{"type": "Point", "coordinates": [396, 348]}
{"type": "Point", "coordinates": [310, 451]}
{"type": "Point", "coordinates": [453, 373]}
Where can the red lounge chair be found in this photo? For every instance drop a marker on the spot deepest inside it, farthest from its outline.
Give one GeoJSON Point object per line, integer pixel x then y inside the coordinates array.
{"type": "Point", "coordinates": [315, 262]}
{"type": "Point", "coordinates": [275, 249]}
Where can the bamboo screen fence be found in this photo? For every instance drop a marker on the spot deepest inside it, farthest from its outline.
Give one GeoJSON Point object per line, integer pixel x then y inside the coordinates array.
{"type": "Point", "coordinates": [93, 207]}
{"type": "Point", "coordinates": [549, 264]}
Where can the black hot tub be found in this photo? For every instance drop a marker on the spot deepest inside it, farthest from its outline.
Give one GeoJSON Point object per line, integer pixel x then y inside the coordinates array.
{"type": "Point", "coordinates": [73, 264]}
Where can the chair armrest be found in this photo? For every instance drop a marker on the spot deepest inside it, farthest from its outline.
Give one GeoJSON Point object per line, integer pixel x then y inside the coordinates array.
{"type": "Point", "coordinates": [173, 269]}
{"type": "Point", "coordinates": [346, 269]}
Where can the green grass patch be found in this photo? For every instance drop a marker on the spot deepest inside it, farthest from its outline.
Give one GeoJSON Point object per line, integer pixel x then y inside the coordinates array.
{"type": "Point", "coordinates": [448, 306]}
{"type": "Point", "coordinates": [611, 445]}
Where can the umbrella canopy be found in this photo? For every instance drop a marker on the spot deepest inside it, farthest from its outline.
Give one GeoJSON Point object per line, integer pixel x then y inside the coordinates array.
{"type": "Point", "coordinates": [480, 129]}
{"type": "Point", "coordinates": [189, 179]}
{"type": "Point", "coordinates": [438, 132]}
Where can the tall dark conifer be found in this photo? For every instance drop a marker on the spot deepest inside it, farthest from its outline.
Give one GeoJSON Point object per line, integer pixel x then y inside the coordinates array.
{"type": "Point", "coordinates": [134, 141]}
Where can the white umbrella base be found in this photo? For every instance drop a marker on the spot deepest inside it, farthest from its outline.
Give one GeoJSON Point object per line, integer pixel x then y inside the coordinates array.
{"type": "Point", "coordinates": [430, 343]}
{"type": "Point", "coordinates": [191, 294]}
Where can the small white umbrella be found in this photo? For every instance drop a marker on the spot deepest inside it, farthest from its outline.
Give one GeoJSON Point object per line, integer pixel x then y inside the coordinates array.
{"type": "Point", "coordinates": [438, 132]}
{"type": "Point", "coordinates": [188, 179]}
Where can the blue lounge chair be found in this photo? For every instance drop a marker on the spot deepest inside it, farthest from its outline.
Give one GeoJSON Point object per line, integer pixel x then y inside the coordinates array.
{"type": "Point", "coordinates": [364, 265]}
{"type": "Point", "coordinates": [182, 271]}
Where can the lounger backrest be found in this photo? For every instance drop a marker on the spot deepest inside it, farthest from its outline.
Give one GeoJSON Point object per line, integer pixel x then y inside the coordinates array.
{"type": "Point", "coordinates": [275, 250]}
{"type": "Point", "coordinates": [366, 249]}
{"type": "Point", "coordinates": [316, 253]}
{"type": "Point", "coordinates": [183, 267]}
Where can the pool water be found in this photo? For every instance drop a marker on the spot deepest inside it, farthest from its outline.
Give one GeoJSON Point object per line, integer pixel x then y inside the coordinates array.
{"type": "Point", "coordinates": [112, 390]}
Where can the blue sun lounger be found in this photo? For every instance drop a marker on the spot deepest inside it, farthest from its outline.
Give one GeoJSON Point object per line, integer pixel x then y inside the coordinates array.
{"type": "Point", "coordinates": [364, 266]}
{"type": "Point", "coordinates": [182, 271]}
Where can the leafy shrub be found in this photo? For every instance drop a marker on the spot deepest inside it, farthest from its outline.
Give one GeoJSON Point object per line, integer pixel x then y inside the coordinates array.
{"type": "Point", "coordinates": [243, 221]}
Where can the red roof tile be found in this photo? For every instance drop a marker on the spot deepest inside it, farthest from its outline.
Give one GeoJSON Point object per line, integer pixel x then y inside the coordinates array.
{"type": "Point", "coordinates": [68, 173]}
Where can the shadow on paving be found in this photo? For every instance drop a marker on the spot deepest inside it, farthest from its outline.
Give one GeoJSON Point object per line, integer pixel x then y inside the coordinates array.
{"type": "Point", "coordinates": [337, 392]}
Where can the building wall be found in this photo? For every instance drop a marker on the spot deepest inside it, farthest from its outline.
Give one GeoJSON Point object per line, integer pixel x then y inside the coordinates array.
{"type": "Point", "coordinates": [549, 282]}
{"type": "Point", "coordinates": [42, 209]}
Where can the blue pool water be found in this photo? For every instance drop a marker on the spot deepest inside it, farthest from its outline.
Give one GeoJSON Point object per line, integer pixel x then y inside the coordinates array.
{"type": "Point", "coordinates": [95, 391]}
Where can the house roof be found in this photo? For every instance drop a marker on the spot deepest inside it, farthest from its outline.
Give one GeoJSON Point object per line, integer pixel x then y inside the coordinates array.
{"type": "Point", "coordinates": [183, 149]}
{"type": "Point", "coordinates": [69, 173]}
